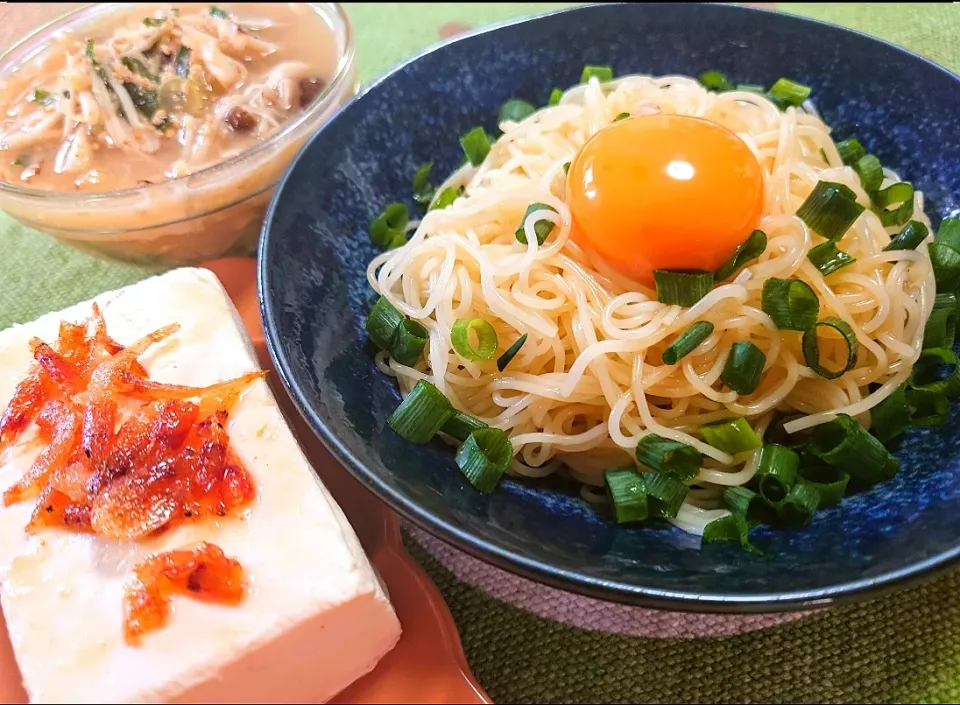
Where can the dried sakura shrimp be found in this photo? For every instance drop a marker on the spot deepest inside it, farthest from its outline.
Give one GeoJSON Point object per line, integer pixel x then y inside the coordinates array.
{"type": "Point", "coordinates": [124, 456]}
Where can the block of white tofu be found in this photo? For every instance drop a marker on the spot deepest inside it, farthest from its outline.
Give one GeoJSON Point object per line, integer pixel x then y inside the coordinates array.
{"type": "Point", "coordinates": [315, 618]}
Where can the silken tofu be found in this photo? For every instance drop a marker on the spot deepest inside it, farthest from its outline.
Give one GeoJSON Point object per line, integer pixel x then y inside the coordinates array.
{"type": "Point", "coordinates": [315, 617]}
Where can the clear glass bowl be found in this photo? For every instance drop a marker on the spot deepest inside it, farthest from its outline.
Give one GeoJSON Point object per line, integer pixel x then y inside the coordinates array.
{"type": "Point", "coordinates": [213, 212]}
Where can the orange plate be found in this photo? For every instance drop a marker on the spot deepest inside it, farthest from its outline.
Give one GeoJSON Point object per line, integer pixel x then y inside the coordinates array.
{"type": "Point", "coordinates": [427, 665]}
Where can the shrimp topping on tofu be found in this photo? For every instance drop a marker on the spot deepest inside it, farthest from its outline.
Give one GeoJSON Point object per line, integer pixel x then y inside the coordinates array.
{"type": "Point", "coordinates": [124, 457]}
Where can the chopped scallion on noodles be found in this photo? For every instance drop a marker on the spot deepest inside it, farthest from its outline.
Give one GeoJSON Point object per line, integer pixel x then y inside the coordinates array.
{"type": "Point", "coordinates": [731, 435]}
{"type": "Point", "coordinates": [909, 238]}
{"type": "Point", "coordinates": [628, 493]}
{"type": "Point", "coordinates": [830, 209]}
{"type": "Point", "coordinates": [828, 258]}
{"type": "Point", "coordinates": [742, 370]}
{"type": "Point", "coordinates": [749, 250]}
{"type": "Point", "coordinates": [511, 353]}
{"type": "Point", "coordinates": [460, 338]}
{"type": "Point", "coordinates": [777, 468]}
{"type": "Point", "coordinates": [669, 456]}
{"type": "Point", "coordinates": [682, 288]}
{"type": "Point", "coordinates": [687, 342]}
{"type": "Point", "coordinates": [811, 346]}
{"type": "Point", "coordinates": [791, 303]}
{"type": "Point", "coordinates": [421, 414]}
{"type": "Point", "coordinates": [484, 457]}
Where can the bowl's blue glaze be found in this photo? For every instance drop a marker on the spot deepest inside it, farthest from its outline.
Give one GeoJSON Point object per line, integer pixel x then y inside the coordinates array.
{"type": "Point", "coordinates": [315, 297]}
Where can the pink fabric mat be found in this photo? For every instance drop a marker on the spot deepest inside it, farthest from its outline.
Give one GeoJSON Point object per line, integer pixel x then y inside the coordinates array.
{"type": "Point", "coordinates": [587, 612]}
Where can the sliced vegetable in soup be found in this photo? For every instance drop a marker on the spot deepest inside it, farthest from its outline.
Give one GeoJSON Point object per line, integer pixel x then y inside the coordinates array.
{"type": "Point", "coordinates": [160, 93]}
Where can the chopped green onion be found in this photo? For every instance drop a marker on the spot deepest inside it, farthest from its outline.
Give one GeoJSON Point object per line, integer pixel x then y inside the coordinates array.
{"type": "Point", "coordinates": [791, 304]}
{"type": "Point", "coordinates": [423, 192]}
{"type": "Point", "coordinates": [946, 267]}
{"type": "Point", "coordinates": [542, 228]}
{"type": "Point", "coordinates": [715, 81]}
{"type": "Point", "coordinates": [139, 68]}
{"type": "Point", "coordinates": [751, 88]}
{"type": "Point", "coordinates": [850, 151]}
{"type": "Point", "coordinates": [515, 110]}
{"type": "Point", "coordinates": [845, 444]}
{"type": "Point", "coordinates": [927, 408]}
{"type": "Point", "coordinates": [941, 328]}
{"type": "Point", "coordinates": [98, 68]}
{"type": "Point", "coordinates": [787, 92]}
{"type": "Point", "coordinates": [183, 62]}
{"type": "Point", "coordinates": [566, 168]}
{"type": "Point", "coordinates": [687, 342]}
{"type": "Point", "coordinates": [388, 224]}
{"type": "Point", "coordinates": [628, 493]}
{"type": "Point", "coordinates": [828, 258]}
{"type": "Point", "coordinates": [445, 198]}
{"type": "Point", "coordinates": [909, 238]}
{"type": "Point", "coordinates": [811, 347]}
{"type": "Point", "coordinates": [776, 471]}
{"type": "Point", "coordinates": [461, 425]}
{"type": "Point", "coordinates": [928, 368]}
{"type": "Point", "coordinates": [898, 193]}
{"type": "Point", "coordinates": [408, 344]}
{"type": "Point", "coordinates": [143, 100]}
{"type": "Point", "coordinates": [870, 171]}
{"type": "Point", "coordinates": [484, 457]}
{"type": "Point", "coordinates": [830, 209]}
{"type": "Point", "coordinates": [19, 161]}
{"type": "Point", "coordinates": [669, 456]}
{"type": "Point", "coordinates": [511, 352]}
{"type": "Point", "coordinates": [732, 527]}
{"type": "Point", "coordinates": [602, 73]}
{"type": "Point", "coordinates": [746, 251]}
{"type": "Point", "coordinates": [748, 504]}
{"type": "Point", "coordinates": [153, 21]}
{"type": "Point", "coordinates": [684, 288]}
{"type": "Point", "coordinates": [949, 233]}
{"type": "Point", "coordinates": [621, 116]}
{"type": "Point", "coordinates": [38, 95]}
{"type": "Point", "coordinates": [743, 367]}
{"type": "Point", "coordinates": [665, 493]}
{"type": "Point", "coordinates": [829, 482]}
{"type": "Point", "coordinates": [476, 145]}
{"type": "Point", "coordinates": [891, 417]}
{"type": "Point", "coordinates": [421, 414]}
{"type": "Point", "coordinates": [486, 346]}
{"type": "Point", "coordinates": [731, 435]}
{"type": "Point", "coordinates": [798, 506]}
{"type": "Point", "coordinates": [383, 323]}
{"type": "Point", "coordinates": [218, 13]}
{"type": "Point", "coordinates": [555, 95]}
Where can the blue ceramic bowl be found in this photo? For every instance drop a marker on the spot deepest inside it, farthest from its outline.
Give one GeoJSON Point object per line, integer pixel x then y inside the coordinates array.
{"type": "Point", "coordinates": [315, 297]}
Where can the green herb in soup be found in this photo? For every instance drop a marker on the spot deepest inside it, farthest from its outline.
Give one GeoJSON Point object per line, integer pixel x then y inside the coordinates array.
{"type": "Point", "coordinates": [160, 92]}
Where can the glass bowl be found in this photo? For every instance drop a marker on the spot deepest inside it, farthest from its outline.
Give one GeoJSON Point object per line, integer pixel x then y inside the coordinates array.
{"type": "Point", "coordinates": [213, 212]}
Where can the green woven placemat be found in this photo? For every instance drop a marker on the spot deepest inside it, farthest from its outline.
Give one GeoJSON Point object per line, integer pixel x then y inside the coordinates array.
{"type": "Point", "coordinates": [904, 647]}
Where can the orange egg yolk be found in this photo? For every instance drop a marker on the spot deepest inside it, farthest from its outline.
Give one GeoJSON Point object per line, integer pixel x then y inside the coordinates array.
{"type": "Point", "coordinates": [664, 192]}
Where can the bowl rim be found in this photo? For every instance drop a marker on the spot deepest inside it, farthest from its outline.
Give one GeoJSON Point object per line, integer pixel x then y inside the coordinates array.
{"type": "Point", "coordinates": [514, 562]}
{"type": "Point", "coordinates": [337, 86]}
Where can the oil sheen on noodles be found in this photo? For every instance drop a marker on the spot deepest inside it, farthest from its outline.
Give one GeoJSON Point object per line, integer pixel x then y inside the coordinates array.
{"type": "Point", "coordinates": [589, 383]}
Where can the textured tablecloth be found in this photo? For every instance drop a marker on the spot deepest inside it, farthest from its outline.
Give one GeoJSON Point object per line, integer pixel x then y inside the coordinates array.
{"type": "Point", "coordinates": [528, 643]}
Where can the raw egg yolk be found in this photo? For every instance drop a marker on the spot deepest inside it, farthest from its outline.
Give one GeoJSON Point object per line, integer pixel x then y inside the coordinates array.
{"type": "Point", "coordinates": [664, 192]}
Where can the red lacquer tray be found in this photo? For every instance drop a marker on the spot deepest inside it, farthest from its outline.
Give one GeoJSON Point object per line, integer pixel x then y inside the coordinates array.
{"type": "Point", "coordinates": [427, 665]}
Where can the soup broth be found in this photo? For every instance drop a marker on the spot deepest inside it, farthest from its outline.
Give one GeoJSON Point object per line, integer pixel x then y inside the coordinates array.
{"type": "Point", "coordinates": [159, 92]}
